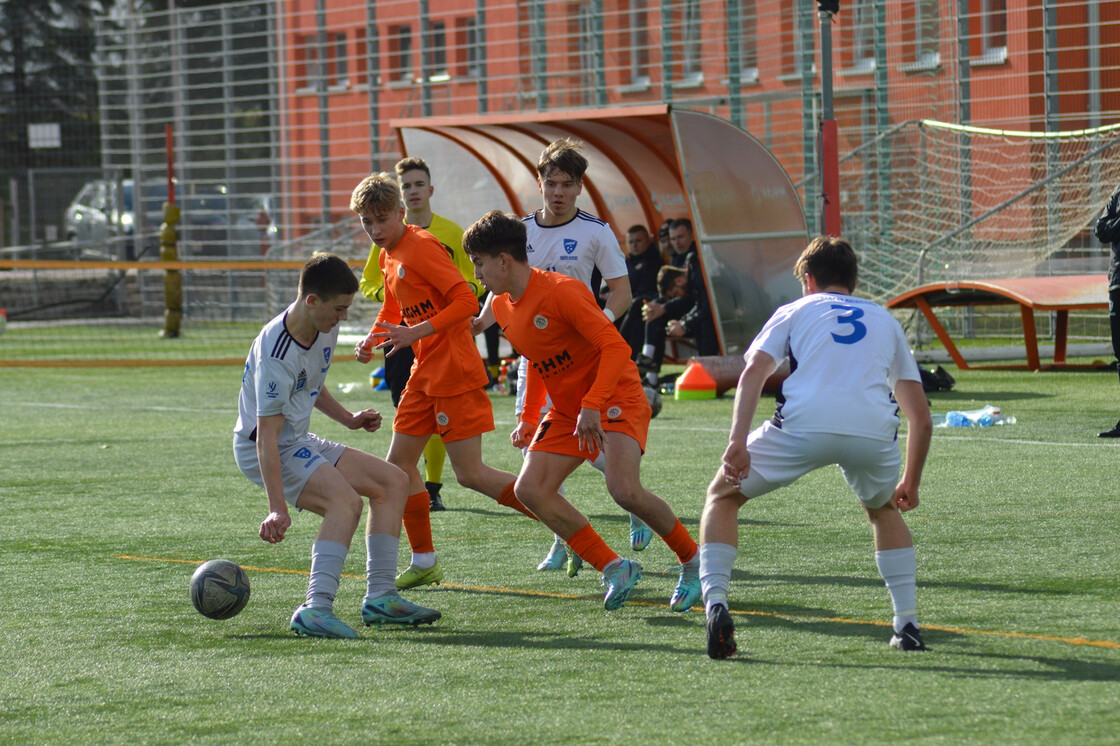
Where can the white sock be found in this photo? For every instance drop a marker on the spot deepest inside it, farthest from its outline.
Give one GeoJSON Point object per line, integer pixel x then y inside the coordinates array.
{"type": "Point", "coordinates": [381, 564]}
{"type": "Point", "coordinates": [424, 560]}
{"type": "Point", "coordinates": [327, 559]}
{"type": "Point", "coordinates": [716, 561]}
{"type": "Point", "coordinates": [652, 378]}
{"type": "Point", "coordinates": [648, 350]}
{"type": "Point", "coordinates": [898, 568]}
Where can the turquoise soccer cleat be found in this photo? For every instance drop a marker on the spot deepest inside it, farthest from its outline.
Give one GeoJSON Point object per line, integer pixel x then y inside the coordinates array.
{"type": "Point", "coordinates": [390, 608]}
{"type": "Point", "coordinates": [688, 591]}
{"type": "Point", "coordinates": [640, 534]}
{"type": "Point", "coordinates": [619, 582]}
{"type": "Point", "coordinates": [415, 576]}
{"type": "Point", "coordinates": [556, 558]}
{"type": "Point", "coordinates": [308, 621]}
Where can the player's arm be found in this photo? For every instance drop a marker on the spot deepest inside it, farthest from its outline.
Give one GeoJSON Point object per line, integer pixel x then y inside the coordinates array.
{"type": "Point", "coordinates": [390, 313]}
{"type": "Point", "coordinates": [461, 305]}
{"type": "Point", "coordinates": [536, 395]}
{"type": "Point", "coordinates": [919, 429]}
{"type": "Point", "coordinates": [485, 317]}
{"type": "Point", "coordinates": [367, 419]}
{"type": "Point", "coordinates": [736, 458]}
{"type": "Point", "coordinates": [268, 456]}
{"type": "Point", "coordinates": [618, 297]}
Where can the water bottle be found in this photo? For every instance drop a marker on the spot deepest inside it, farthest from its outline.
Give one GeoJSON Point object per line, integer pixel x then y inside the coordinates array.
{"type": "Point", "coordinates": [957, 419]}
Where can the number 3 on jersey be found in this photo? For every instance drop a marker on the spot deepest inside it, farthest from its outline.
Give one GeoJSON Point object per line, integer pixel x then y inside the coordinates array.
{"type": "Point", "coordinates": [852, 319]}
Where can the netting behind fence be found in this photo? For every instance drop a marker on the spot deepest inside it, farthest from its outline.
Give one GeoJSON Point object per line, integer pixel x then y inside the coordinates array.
{"type": "Point", "coordinates": [112, 312]}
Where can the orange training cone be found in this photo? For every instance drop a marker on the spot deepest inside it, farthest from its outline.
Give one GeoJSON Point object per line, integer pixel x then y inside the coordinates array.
{"type": "Point", "coordinates": [695, 383]}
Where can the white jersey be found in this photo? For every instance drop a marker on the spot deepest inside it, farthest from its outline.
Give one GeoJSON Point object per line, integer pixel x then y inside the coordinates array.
{"type": "Point", "coordinates": [575, 248]}
{"type": "Point", "coordinates": [283, 377]}
{"type": "Point", "coordinates": [846, 354]}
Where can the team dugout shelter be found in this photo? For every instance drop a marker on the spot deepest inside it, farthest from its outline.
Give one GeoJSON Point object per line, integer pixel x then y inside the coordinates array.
{"type": "Point", "coordinates": [647, 164]}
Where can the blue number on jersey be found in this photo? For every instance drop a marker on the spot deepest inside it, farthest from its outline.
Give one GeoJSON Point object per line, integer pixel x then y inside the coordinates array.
{"type": "Point", "coordinates": [851, 318]}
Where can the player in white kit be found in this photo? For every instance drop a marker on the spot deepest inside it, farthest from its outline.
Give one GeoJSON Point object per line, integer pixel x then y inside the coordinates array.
{"type": "Point", "coordinates": [283, 382]}
{"type": "Point", "coordinates": [563, 238]}
{"type": "Point", "coordinates": [851, 371]}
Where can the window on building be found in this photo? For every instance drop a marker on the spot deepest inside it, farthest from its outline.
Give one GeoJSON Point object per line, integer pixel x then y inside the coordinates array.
{"type": "Point", "coordinates": [861, 39]}
{"type": "Point", "coordinates": [400, 53]}
{"type": "Point", "coordinates": [306, 55]}
{"type": "Point", "coordinates": [691, 62]}
{"type": "Point", "coordinates": [637, 41]}
{"type": "Point", "coordinates": [993, 31]}
{"type": "Point", "coordinates": [586, 46]}
{"type": "Point", "coordinates": [468, 56]}
{"type": "Point", "coordinates": [748, 40]}
{"type": "Point", "coordinates": [338, 62]}
{"type": "Point", "coordinates": [361, 64]}
{"type": "Point", "coordinates": [437, 51]}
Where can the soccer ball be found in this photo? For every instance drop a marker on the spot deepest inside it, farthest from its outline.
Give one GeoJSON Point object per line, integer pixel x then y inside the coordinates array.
{"type": "Point", "coordinates": [653, 396]}
{"type": "Point", "coordinates": [219, 589]}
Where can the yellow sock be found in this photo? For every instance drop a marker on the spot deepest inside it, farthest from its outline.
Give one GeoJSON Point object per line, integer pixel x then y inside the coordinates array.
{"type": "Point", "coordinates": [434, 456]}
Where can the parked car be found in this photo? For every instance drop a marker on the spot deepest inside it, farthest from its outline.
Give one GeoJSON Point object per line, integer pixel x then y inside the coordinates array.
{"type": "Point", "coordinates": [214, 223]}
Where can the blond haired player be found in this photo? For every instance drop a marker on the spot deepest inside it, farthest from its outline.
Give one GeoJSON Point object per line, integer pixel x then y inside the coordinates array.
{"type": "Point", "coordinates": [428, 307]}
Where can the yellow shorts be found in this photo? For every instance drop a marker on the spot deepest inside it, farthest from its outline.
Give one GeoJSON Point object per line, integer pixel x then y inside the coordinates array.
{"type": "Point", "coordinates": [556, 433]}
{"type": "Point", "coordinates": [451, 417]}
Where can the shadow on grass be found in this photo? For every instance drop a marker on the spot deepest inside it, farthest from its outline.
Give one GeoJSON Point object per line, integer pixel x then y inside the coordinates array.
{"type": "Point", "coordinates": [874, 581]}
{"type": "Point", "coordinates": [993, 396]}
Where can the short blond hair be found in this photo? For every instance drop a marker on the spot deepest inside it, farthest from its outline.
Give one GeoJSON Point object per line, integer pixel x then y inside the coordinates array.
{"type": "Point", "coordinates": [377, 194]}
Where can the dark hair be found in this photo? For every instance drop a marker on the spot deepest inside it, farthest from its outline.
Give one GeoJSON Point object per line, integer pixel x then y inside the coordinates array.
{"type": "Point", "coordinates": [682, 222]}
{"type": "Point", "coordinates": [412, 164]}
{"type": "Point", "coordinates": [667, 277]}
{"type": "Point", "coordinates": [496, 233]}
{"type": "Point", "coordinates": [663, 231]}
{"type": "Point", "coordinates": [831, 261]}
{"type": "Point", "coordinates": [637, 228]}
{"type": "Point", "coordinates": [563, 155]}
{"type": "Point", "coordinates": [327, 275]}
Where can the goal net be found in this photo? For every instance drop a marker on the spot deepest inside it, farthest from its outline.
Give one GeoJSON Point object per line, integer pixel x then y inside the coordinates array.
{"type": "Point", "coordinates": [931, 202]}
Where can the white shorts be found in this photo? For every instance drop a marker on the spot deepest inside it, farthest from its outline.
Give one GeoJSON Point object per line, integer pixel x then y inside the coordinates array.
{"type": "Point", "coordinates": [298, 461]}
{"type": "Point", "coordinates": [870, 466]}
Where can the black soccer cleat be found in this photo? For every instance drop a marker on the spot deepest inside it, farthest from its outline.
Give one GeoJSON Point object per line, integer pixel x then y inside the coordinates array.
{"type": "Point", "coordinates": [721, 633]}
{"type": "Point", "coordinates": [435, 504]}
{"type": "Point", "coordinates": [908, 639]}
{"type": "Point", "coordinates": [1113, 433]}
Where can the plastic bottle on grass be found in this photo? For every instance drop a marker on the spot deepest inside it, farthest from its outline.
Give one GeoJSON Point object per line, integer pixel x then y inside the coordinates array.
{"type": "Point", "coordinates": [984, 417]}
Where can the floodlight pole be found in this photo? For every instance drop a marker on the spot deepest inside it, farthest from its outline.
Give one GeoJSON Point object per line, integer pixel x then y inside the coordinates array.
{"type": "Point", "coordinates": [827, 144]}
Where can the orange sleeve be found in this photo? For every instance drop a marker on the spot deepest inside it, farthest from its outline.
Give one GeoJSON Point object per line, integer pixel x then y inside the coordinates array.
{"type": "Point", "coordinates": [535, 394]}
{"type": "Point", "coordinates": [390, 312]}
{"type": "Point", "coordinates": [461, 305]}
{"type": "Point", "coordinates": [583, 313]}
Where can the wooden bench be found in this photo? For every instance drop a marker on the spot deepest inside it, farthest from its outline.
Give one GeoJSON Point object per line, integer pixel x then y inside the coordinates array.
{"type": "Point", "coordinates": [1060, 294]}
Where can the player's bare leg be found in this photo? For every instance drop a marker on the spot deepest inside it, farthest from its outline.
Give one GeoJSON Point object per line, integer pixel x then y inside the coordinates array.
{"type": "Point", "coordinates": [622, 470]}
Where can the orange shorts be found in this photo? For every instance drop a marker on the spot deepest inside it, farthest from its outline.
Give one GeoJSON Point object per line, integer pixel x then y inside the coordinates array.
{"type": "Point", "coordinates": [451, 417]}
{"type": "Point", "coordinates": [556, 433]}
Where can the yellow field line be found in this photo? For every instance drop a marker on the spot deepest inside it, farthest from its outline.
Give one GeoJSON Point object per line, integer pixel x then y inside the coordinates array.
{"type": "Point", "coordinates": [738, 612]}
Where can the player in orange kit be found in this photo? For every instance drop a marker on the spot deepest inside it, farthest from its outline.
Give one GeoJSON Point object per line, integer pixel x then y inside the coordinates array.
{"type": "Point", "coordinates": [428, 306]}
{"type": "Point", "coordinates": [583, 364]}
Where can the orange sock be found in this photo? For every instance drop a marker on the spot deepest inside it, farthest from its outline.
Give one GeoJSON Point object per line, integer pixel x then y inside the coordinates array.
{"type": "Point", "coordinates": [680, 542]}
{"type": "Point", "coordinates": [418, 522]}
{"type": "Point", "coordinates": [508, 499]}
{"type": "Point", "coordinates": [591, 548]}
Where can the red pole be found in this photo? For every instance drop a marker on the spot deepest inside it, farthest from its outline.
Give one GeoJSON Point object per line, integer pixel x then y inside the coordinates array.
{"type": "Point", "coordinates": [830, 178]}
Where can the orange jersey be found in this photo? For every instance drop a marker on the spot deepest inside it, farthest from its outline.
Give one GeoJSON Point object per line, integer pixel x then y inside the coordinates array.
{"type": "Point", "coordinates": [578, 354]}
{"type": "Point", "coordinates": [423, 284]}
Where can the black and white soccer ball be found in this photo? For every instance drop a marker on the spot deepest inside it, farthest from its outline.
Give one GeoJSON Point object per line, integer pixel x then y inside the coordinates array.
{"type": "Point", "coordinates": [653, 396]}
{"type": "Point", "coordinates": [219, 589]}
